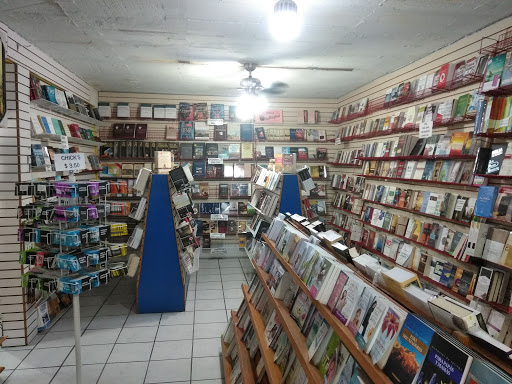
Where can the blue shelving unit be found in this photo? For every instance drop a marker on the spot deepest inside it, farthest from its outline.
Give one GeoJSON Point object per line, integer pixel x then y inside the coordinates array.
{"type": "Point", "coordinates": [290, 195]}
{"type": "Point", "coordinates": [162, 283]}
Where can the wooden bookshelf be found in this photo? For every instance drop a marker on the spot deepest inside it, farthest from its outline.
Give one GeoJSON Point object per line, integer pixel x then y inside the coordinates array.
{"type": "Point", "coordinates": [273, 372]}
{"type": "Point", "coordinates": [346, 337]}
{"type": "Point", "coordinates": [243, 354]}
{"type": "Point", "coordinates": [295, 336]}
{"type": "Point", "coordinates": [226, 361]}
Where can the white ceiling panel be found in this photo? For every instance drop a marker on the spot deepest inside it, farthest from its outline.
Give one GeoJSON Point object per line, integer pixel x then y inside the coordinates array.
{"type": "Point", "coordinates": [136, 45]}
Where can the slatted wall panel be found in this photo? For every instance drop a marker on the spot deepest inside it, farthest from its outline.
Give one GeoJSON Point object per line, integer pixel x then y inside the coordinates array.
{"type": "Point", "coordinates": [19, 318]}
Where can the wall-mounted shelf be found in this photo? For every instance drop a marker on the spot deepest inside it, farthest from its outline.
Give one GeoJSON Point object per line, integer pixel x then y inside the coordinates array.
{"type": "Point", "coordinates": [71, 140]}
{"type": "Point", "coordinates": [43, 103]}
{"type": "Point", "coordinates": [419, 181]}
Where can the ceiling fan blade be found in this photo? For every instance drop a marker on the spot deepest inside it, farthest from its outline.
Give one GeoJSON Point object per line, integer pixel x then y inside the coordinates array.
{"type": "Point", "coordinates": [328, 69]}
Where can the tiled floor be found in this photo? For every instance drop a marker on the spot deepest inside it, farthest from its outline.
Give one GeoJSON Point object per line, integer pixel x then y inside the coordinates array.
{"type": "Point", "coordinates": [120, 346]}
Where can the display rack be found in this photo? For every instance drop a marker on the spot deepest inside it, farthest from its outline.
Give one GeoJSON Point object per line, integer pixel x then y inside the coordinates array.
{"type": "Point", "coordinates": [162, 282]}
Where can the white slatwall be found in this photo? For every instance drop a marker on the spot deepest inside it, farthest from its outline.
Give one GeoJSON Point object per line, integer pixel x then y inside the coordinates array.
{"type": "Point", "coordinates": [19, 318]}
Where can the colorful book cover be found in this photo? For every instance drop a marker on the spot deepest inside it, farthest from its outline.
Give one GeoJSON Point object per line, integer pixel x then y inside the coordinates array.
{"type": "Point", "coordinates": [485, 200]}
{"type": "Point", "coordinates": [348, 299]}
{"type": "Point", "coordinates": [246, 132]}
{"type": "Point", "coordinates": [370, 322]}
{"type": "Point", "coordinates": [482, 372]}
{"type": "Point", "coordinates": [409, 351]}
{"type": "Point", "coordinates": [336, 292]}
{"type": "Point", "coordinates": [386, 335]}
{"type": "Point", "coordinates": [217, 111]}
{"type": "Point", "coordinates": [444, 363]}
{"type": "Point", "coordinates": [328, 360]}
{"type": "Point", "coordinates": [186, 130]}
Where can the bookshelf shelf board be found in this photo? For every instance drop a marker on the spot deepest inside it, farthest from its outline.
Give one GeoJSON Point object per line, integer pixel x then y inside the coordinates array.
{"type": "Point", "coordinates": [446, 254]}
{"type": "Point", "coordinates": [497, 177]}
{"type": "Point", "coordinates": [71, 140]}
{"type": "Point", "coordinates": [293, 143]}
{"type": "Point", "coordinates": [226, 361]}
{"type": "Point", "coordinates": [110, 177]}
{"type": "Point", "coordinates": [342, 331]}
{"type": "Point", "coordinates": [419, 181]}
{"type": "Point", "coordinates": [500, 91]}
{"type": "Point", "coordinates": [222, 178]}
{"type": "Point", "coordinates": [340, 228]}
{"type": "Point", "coordinates": [346, 190]}
{"type": "Point", "coordinates": [433, 157]}
{"type": "Point", "coordinates": [482, 262]}
{"type": "Point", "coordinates": [136, 120]}
{"type": "Point", "coordinates": [45, 104]}
{"type": "Point", "coordinates": [497, 135]}
{"type": "Point", "coordinates": [128, 159]}
{"type": "Point", "coordinates": [345, 165]}
{"type": "Point", "coordinates": [273, 372]}
{"type": "Point", "coordinates": [84, 172]}
{"type": "Point", "coordinates": [198, 197]}
{"type": "Point", "coordinates": [421, 277]}
{"type": "Point", "coordinates": [346, 211]}
{"type": "Point", "coordinates": [295, 336]}
{"type": "Point", "coordinates": [463, 223]}
{"type": "Point", "coordinates": [243, 354]}
{"type": "Point", "coordinates": [499, 307]}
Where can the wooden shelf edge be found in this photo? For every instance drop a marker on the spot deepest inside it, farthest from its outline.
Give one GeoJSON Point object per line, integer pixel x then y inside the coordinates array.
{"type": "Point", "coordinates": [243, 354]}
{"type": "Point", "coordinates": [295, 336]}
{"type": "Point", "coordinates": [2, 339]}
{"type": "Point", "coordinates": [273, 372]}
{"type": "Point", "coordinates": [227, 364]}
{"type": "Point", "coordinates": [347, 338]}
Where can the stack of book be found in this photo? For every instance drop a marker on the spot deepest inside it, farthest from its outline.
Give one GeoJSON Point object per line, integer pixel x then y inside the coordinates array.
{"type": "Point", "coordinates": [347, 202]}
{"type": "Point", "coordinates": [348, 183]}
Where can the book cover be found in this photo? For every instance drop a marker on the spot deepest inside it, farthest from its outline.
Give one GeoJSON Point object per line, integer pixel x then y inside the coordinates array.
{"type": "Point", "coordinates": [496, 159]}
{"type": "Point", "coordinates": [246, 132]}
{"type": "Point", "coordinates": [217, 111]}
{"type": "Point", "coordinates": [485, 200]}
{"type": "Point", "coordinates": [386, 335]}
{"type": "Point", "coordinates": [348, 300]}
{"type": "Point", "coordinates": [220, 132]}
{"type": "Point", "coordinates": [444, 363]}
{"type": "Point", "coordinates": [408, 351]}
{"type": "Point", "coordinates": [186, 130]}
{"type": "Point", "coordinates": [186, 112]}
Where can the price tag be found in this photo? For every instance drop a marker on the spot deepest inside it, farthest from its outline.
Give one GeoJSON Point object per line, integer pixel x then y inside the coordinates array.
{"type": "Point", "coordinates": [337, 141]}
{"type": "Point", "coordinates": [218, 250]}
{"type": "Point", "coordinates": [48, 167]}
{"type": "Point", "coordinates": [217, 235]}
{"type": "Point", "coordinates": [64, 142]}
{"type": "Point", "coordinates": [215, 121]}
{"type": "Point", "coordinates": [219, 217]}
{"type": "Point", "coordinates": [426, 129]}
{"type": "Point", "coordinates": [215, 160]}
{"type": "Point", "coordinates": [69, 161]}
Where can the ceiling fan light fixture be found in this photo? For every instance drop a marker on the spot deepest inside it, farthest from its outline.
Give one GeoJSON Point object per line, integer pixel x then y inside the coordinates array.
{"type": "Point", "coordinates": [285, 21]}
{"type": "Point", "coordinates": [250, 104]}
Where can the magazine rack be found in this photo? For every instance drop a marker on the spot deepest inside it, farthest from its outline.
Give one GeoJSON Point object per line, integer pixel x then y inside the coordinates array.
{"type": "Point", "coordinates": [161, 286]}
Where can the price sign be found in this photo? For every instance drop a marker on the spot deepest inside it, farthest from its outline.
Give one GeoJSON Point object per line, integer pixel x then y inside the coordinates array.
{"type": "Point", "coordinates": [69, 161]}
{"type": "Point", "coordinates": [215, 161]}
{"type": "Point", "coordinates": [337, 141]}
{"type": "Point", "coordinates": [217, 235]}
{"type": "Point", "coordinates": [426, 129]}
{"type": "Point", "coordinates": [64, 142]}
{"type": "Point", "coordinates": [218, 216]}
{"type": "Point", "coordinates": [218, 250]}
{"type": "Point", "coordinates": [215, 121]}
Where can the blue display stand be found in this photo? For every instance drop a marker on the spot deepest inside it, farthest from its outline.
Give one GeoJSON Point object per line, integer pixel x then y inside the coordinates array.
{"type": "Point", "coordinates": [161, 284]}
{"type": "Point", "coordinates": [290, 195]}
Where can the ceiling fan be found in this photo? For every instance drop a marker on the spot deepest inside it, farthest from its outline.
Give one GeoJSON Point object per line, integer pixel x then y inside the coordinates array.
{"type": "Point", "coordinates": [252, 85]}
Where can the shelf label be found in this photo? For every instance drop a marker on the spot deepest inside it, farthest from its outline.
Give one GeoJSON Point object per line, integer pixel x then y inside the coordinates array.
{"type": "Point", "coordinates": [426, 129]}
{"type": "Point", "coordinates": [337, 141]}
{"type": "Point", "coordinates": [69, 161]}
{"type": "Point", "coordinates": [217, 235]}
{"type": "Point", "coordinates": [64, 142]}
{"type": "Point", "coordinates": [215, 160]}
{"type": "Point", "coordinates": [215, 121]}
{"type": "Point", "coordinates": [218, 250]}
{"type": "Point", "coordinates": [219, 217]}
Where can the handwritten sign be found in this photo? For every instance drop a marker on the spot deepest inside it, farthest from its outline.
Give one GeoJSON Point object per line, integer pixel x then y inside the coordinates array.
{"type": "Point", "coordinates": [215, 160]}
{"type": "Point", "coordinates": [69, 161]}
{"type": "Point", "coordinates": [426, 129]}
{"type": "Point", "coordinates": [219, 217]}
{"type": "Point", "coordinates": [217, 235]}
{"type": "Point", "coordinates": [215, 121]}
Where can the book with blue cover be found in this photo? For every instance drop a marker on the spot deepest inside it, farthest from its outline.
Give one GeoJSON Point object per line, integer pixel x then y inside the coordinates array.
{"type": "Point", "coordinates": [246, 132]}
{"type": "Point", "coordinates": [217, 111]}
{"type": "Point", "coordinates": [482, 372]}
{"type": "Point", "coordinates": [198, 168]}
{"type": "Point", "coordinates": [429, 170]}
{"type": "Point", "coordinates": [445, 363]}
{"type": "Point", "coordinates": [49, 93]}
{"type": "Point", "coordinates": [186, 130]}
{"type": "Point", "coordinates": [485, 200]}
{"type": "Point", "coordinates": [409, 351]}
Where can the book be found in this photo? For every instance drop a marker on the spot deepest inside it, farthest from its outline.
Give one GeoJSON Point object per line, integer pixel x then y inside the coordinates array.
{"type": "Point", "coordinates": [186, 130]}
{"type": "Point", "coordinates": [386, 336]}
{"type": "Point", "coordinates": [246, 132]}
{"type": "Point", "coordinates": [485, 200]}
{"type": "Point", "coordinates": [217, 111]}
{"type": "Point", "coordinates": [493, 72]}
{"type": "Point", "coordinates": [220, 132]}
{"type": "Point", "coordinates": [409, 350]}
{"type": "Point", "coordinates": [186, 112]}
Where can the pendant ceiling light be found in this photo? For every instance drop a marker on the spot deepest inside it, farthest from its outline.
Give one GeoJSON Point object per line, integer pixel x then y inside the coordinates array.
{"type": "Point", "coordinates": [250, 104]}
{"type": "Point", "coordinates": [285, 22]}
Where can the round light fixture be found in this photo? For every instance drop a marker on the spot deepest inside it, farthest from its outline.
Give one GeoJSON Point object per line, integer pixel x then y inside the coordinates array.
{"type": "Point", "coordinates": [250, 104]}
{"type": "Point", "coordinates": [285, 22]}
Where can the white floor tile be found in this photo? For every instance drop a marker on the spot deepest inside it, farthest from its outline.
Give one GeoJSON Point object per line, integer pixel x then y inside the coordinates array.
{"type": "Point", "coordinates": [208, 278]}
{"type": "Point", "coordinates": [229, 264]}
{"type": "Point", "coordinates": [204, 368]}
{"type": "Point", "coordinates": [120, 299]}
{"type": "Point", "coordinates": [174, 332]}
{"type": "Point", "coordinates": [137, 335]}
{"type": "Point", "coordinates": [231, 271]}
{"type": "Point", "coordinates": [68, 324]}
{"type": "Point", "coordinates": [233, 284]}
{"type": "Point", "coordinates": [11, 359]}
{"type": "Point", "coordinates": [107, 322]}
{"type": "Point", "coordinates": [177, 318]}
{"type": "Point", "coordinates": [208, 286]}
{"type": "Point", "coordinates": [228, 313]}
{"type": "Point", "coordinates": [114, 310]}
{"type": "Point", "coordinates": [91, 354]}
{"type": "Point", "coordinates": [87, 311]}
{"type": "Point", "coordinates": [178, 349]}
{"type": "Point", "coordinates": [189, 305]}
{"type": "Point", "coordinates": [191, 295]}
{"type": "Point", "coordinates": [208, 272]}
{"type": "Point", "coordinates": [208, 305]}
{"type": "Point", "coordinates": [100, 336]}
{"type": "Point", "coordinates": [32, 376]}
{"type": "Point", "coordinates": [211, 294]}
{"type": "Point", "coordinates": [67, 375]}
{"type": "Point", "coordinates": [143, 320]}
{"type": "Point", "coordinates": [125, 353]}
{"type": "Point", "coordinates": [4, 375]}
{"type": "Point", "coordinates": [57, 339]}
{"type": "Point", "coordinates": [205, 317]}
{"type": "Point", "coordinates": [233, 293]}
{"type": "Point", "coordinates": [126, 373]}
{"type": "Point", "coordinates": [207, 347]}
{"type": "Point", "coordinates": [91, 300]}
{"type": "Point", "coordinates": [234, 277]}
{"type": "Point", "coordinates": [162, 371]}
{"type": "Point", "coordinates": [233, 303]}
{"type": "Point", "coordinates": [209, 331]}
{"type": "Point", "coordinates": [45, 358]}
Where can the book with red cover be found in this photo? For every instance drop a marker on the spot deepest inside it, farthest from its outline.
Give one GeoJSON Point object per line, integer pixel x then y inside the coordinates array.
{"type": "Point", "coordinates": [75, 130]}
{"type": "Point", "coordinates": [445, 75]}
